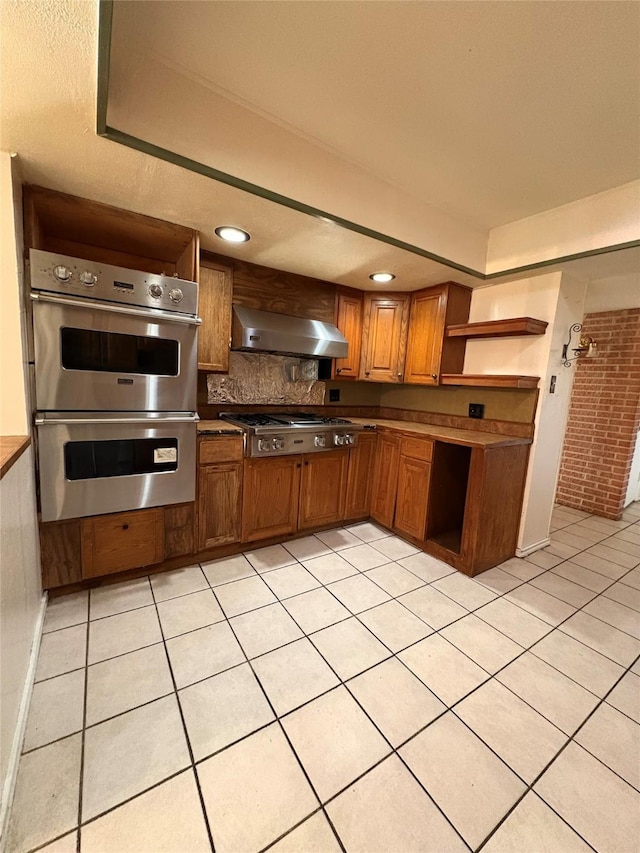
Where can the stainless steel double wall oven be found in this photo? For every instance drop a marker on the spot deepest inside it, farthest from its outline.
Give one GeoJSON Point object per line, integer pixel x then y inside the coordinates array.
{"type": "Point", "coordinates": [115, 355]}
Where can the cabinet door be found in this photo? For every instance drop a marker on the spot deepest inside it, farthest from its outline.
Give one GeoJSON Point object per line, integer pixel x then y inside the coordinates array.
{"type": "Point", "coordinates": [322, 488]}
{"type": "Point", "coordinates": [214, 306]}
{"type": "Point", "coordinates": [121, 540]}
{"type": "Point", "coordinates": [426, 335]}
{"type": "Point", "coordinates": [349, 321]}
{"type": "Point", "coordinates": [429, 352]}
{"type": "Point", "coordinates": [384, 337]}
{"type": "Point", "coordinates": [412, 496]}
{"type": "Point", "coordinates": [385, 479]}
{"type": "Point", "coordinates": [359, 477]}
{"type": "Point", "coordinates": [270, 497]}
{"type": "Point", "coordinates": [219, 504]}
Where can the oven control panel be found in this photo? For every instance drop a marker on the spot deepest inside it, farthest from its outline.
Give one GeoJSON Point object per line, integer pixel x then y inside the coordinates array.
{"type": "Point", "coordinates": [88, 279]}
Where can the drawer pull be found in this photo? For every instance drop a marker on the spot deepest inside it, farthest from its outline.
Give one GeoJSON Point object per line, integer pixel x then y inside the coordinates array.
{"type": "Point", "coordinates": [125, 526]}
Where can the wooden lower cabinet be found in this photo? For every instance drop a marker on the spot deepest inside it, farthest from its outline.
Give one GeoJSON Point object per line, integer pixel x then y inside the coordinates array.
{"type": "Point", "coordinates": [385, 479]}
{"type": "Point", "coordinates": [412, 496]}
{"type": "Point", "coordinates": [219, 504]}
{"type": "Point", "coordinates": [360, 477]}
{"type": "Point", "coordinates": [122, 540]}
{"type": "Point", "coordinates": [322, 488]}
{"type": "Point", "coordinates": [270, 497]}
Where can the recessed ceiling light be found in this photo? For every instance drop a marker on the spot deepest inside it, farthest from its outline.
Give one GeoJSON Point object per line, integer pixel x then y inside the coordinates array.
{"type": "Point", "coordinates": [382, 277]}
{"type": "Point", "coordinates": [232, 235]}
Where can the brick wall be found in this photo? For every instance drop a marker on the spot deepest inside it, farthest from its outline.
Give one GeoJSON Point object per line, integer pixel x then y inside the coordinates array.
{"type": "Point", "coordinates": [604, 416]}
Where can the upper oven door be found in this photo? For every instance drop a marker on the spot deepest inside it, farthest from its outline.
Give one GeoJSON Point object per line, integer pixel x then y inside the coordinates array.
{"type": "Point", "coordinates": [92, 356]}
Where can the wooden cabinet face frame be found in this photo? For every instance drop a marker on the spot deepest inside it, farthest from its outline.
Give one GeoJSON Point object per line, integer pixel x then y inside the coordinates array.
{"type": "Point", "coordinates": [323, 488]}
{"type": "Point", "coordinates": [214, 307]}
{"type": "Point", "coordinates": [271, 492]}
{"type": "Point", "coordinates": [349, 322]}
{"type": "Point", "coordinates": [384, 337]}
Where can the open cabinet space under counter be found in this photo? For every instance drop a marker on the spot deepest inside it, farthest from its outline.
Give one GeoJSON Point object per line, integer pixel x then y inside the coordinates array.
{"type": "Point", "coordinates": [456, 494]}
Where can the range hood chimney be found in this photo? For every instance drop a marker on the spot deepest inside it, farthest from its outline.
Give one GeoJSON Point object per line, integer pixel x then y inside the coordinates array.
{"type": "Point", "coordinates": [264, 331]}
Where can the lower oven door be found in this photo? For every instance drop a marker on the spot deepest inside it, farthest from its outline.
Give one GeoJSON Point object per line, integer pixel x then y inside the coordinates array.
{"type": "Point", "coordinates": [94, 356]}
{"type": "Point", "coordinates": [93, 463]}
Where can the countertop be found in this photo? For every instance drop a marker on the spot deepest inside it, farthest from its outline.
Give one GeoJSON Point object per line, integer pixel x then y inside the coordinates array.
{"type": "Point", "coordinates": [11, 449]}
{"type": "Point", "coordinates": [218, 427]}
{"type": "Point", "coordinates": [466, 437]}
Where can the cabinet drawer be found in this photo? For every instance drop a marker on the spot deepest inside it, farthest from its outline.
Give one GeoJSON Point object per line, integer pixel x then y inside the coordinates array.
{"type": "Point", "coordinates": [416, 448]}
{"type": "Point", "coordinates": [124, 540]}
{"type": "Point", "coordinates": [221, 450]}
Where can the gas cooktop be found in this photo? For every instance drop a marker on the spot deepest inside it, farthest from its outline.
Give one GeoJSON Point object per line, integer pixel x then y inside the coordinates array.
{"type": "Point", "coordinates": [285, 433]}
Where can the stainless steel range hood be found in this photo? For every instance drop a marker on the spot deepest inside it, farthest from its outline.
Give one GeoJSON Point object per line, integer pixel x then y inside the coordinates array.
{"type": "Point", "coordinates": [264, 331]}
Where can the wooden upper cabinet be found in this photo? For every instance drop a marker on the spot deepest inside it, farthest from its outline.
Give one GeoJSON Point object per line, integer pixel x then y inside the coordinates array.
{"type": "Point", "coordinates": [429, 352]}
{"type": "Point", "coordinates": [81, 228]}
{"type": "Point", "coordinates": [349, 321]}
{"type": "Point", "coordinates": [214, 307]}
{"type": "Point", "coordinates": [322, 488]}
{"type": "Point", "coordinates": [384, 336]}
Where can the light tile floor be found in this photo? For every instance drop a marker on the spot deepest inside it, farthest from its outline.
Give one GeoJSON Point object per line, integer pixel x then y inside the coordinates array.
{"type": "Point", "coordinates": [345, 692]}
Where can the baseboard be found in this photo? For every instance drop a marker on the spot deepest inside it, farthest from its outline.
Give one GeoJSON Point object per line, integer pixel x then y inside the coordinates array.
{"type": "Point", "coordinates": [524, 552]}
{"type": "Point", "coordinates": [18, 735]}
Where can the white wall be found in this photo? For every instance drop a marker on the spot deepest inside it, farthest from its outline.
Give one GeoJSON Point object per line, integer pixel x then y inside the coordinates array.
{"type": "Point", "coordinates": [20, 585]}
{"type": "Point", "coordinates": [613, 294]}
{"type": "Point", "coordinates": [20, 606]}
{"type": "Point", "coordinates": [605, 219]}
{"type": "Point", "coordinates": [558, 299]}
{"type": "Point", "coordinates": [13, 409]}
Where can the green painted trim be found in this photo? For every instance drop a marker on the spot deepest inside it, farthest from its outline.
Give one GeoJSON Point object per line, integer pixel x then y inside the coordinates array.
{"type": "Point", "coordinates": [103, 129]}
{"type": "Point", "coordinates": [223, 177]}
{"type": "Point", "coordinates": [605, 250]}
{"type": "Point", "coordinates": [105, 20]}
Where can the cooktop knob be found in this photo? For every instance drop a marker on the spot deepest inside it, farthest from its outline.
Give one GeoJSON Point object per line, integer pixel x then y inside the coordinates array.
{"type": "Point", "coordinates": [264, 444]}
{"type": "Point", "coordinates": [62, 273]}
{"type": "Point", "coordinates": [277, 443]}
{"type": "Point", "coordinates": [175, 294]}
{"type": "Point", "coordinates": [88, 278]}
{"type": "Point", "coordinates": [319, 441]}
{"type": "Point", "coordinates": [155, 290]}
{"type": "Point", "coordinates": [339, 440]}
{"type": "Point", "coordinates": [348, 439]}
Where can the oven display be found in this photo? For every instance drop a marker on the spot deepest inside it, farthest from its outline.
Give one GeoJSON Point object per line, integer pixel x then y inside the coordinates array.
{"type": "Point", "coordinates": [91, 460]}
{"type": "Point", "coordinates": [123, 285]}
{"type": "Point", "coordinates": [112, 352]}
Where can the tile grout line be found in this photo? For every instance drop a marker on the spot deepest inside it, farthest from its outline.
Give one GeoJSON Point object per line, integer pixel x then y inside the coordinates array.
{"type": "Point", "coordinates": [557, 755]}
{"type": "Point", "coordinates": [84, 723]}
{"type": "Point", "coordinates": [278, 720]}
{"type": "Point", "coordinates": [184, 725]}
{"type": "Point", "coordinates": [394, 654]}
{"type": "Point", "coordinates": [356, 616]}
{"type": "Point", "coordinates": [477, 612]}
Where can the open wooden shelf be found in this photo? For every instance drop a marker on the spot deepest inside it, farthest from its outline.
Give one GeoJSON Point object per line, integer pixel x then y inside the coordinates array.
{"type": "Point", "coordinates": [514, 327]}
{"type": "Point", "coordinates": [484, 380]}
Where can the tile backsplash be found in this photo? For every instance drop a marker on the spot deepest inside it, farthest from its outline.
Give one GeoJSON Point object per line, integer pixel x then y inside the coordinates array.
{"type": "Point", "coordinates": [262, 380]}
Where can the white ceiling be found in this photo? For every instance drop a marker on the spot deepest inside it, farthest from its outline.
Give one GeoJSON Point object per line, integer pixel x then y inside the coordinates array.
{"type": "Point", "coordinates": [48, 68]}
{"type": "Point", "coordinates": [491, 111]}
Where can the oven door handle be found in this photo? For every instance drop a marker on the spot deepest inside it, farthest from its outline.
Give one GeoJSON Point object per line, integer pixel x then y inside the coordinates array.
{"type": "Point", "coordinates": [44, 420]}
{"type": "Point", "coordinates": [148, 314]}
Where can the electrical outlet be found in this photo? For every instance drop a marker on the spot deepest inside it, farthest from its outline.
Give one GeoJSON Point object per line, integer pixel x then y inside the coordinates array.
{"type": "Point", "coordinates": [476, 410]}
{"type": "Point", "coordinates": [552, 385]}
{"type": "Point", "coordinates": [334, 395]}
